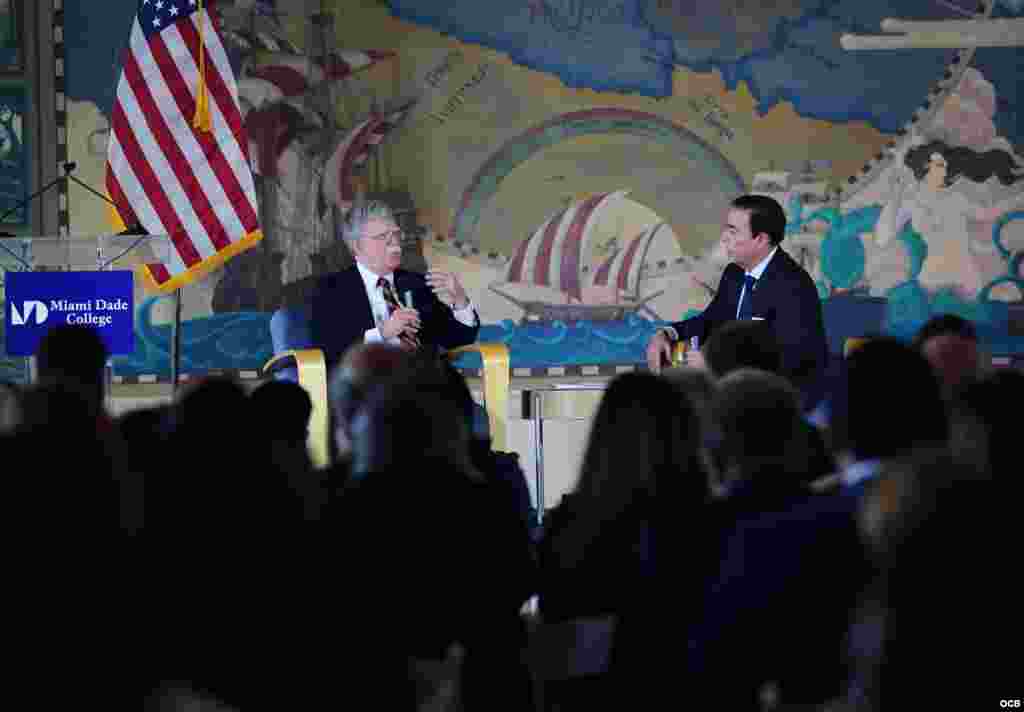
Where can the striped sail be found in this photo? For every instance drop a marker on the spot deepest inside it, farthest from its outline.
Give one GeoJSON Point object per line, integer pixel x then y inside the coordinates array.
{"type": "Point", "coordinates": [553, 256]}
{"type": "Point", "coordinates": [622, 269]}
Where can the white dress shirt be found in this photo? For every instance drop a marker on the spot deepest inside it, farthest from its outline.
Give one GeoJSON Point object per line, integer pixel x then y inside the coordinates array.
{"type": "Point", "coordinates": [756, 273]}
{"type": "Point", "coordinates": [379, 306]}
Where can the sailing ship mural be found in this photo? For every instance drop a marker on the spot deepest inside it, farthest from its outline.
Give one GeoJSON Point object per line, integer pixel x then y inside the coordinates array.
{"type": "Point", "coordinates": [620, 275]}
{"type": "Point", "coordinates": [552, 266]}
{"type": "Point", "coordinates": [390, 93]}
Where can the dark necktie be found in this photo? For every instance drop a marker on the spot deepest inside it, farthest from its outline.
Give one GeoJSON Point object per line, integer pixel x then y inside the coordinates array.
{"type": "Point", "coordinates": [747, 305]}
{"type": "Point", "coordinates": [408, 340]}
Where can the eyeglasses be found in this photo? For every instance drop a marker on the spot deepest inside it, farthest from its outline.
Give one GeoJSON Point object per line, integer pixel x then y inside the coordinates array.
{"type": "Point", "coordinates": [389, 236]}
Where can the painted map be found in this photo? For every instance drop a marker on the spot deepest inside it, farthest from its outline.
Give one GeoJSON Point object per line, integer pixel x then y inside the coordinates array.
{"type": "Point", "coordinates": [786, 50]}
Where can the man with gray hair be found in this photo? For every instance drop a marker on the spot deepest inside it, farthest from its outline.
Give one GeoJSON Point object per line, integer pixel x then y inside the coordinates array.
{"type": "Point", "coordinates": [375, 301]}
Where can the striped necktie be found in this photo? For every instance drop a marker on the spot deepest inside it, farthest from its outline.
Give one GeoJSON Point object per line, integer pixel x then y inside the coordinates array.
{"type": "Point", "coordinates": [409, 341]}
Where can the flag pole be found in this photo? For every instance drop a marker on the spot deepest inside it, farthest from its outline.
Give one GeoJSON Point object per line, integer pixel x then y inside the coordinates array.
{"type": "Point", "coordinates": [194, 33]}
{"type": "Point", "coordinates": [176, 343]}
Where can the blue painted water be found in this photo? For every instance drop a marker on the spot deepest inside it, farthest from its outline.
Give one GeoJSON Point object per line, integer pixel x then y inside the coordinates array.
{"type": "Point", "coordinates": [241, 341]}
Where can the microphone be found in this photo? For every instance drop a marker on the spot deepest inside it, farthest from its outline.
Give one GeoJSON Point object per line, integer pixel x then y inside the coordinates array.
{"type": "Point", "coordinates": [408, 299]}
{"type": "Point", "coordinates": [135, 229]}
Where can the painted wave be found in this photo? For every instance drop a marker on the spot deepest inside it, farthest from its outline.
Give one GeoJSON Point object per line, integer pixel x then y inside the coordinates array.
{"type": "Point", "coordinates": [241, 341]}
{"type": "Point", "coordinates": [231, 341]}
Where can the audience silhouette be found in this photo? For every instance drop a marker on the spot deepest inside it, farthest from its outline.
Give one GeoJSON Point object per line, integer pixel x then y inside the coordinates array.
{"type": "Point", "coordinates": [190, 556]}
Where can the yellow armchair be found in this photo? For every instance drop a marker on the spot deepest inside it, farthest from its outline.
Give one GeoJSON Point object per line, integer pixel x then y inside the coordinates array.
{"type": "Point", "coordinates": [312, 376]}
{"type": "Point", "coordinates": [852, 343]}
{"type": "Point", "coordinates": [496, 377]}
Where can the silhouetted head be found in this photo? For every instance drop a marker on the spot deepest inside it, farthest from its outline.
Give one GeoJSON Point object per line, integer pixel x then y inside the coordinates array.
{"type": "Point", "coordinates": [362, 368]}
{"type": "Point", "coordinates": [984, 425]}
{"type": "Point", "coordinates": [642, 466]}
{"type": "Point", "coordinates": [413, 425]}
{"type": "Point", "coordinates": [894, 402]}
{"type": "Point", "coordinates": [283, 409]}
{"type": "Point", "coordinates": [950, 343]}
{"type": "Point", "coordinates": [760, 423]}
{"type": "Point", "coordinates": [76, 355]}
{"type": "Point", "coordinates": [645, 438]}
{"type": "Point", "coordinates": [743, 344]}
{"type": "Point", "coordinates": [214, 408]}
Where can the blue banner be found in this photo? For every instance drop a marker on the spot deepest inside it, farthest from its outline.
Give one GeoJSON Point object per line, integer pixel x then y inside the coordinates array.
{"type": "Point", "coordinates": [39, 301]}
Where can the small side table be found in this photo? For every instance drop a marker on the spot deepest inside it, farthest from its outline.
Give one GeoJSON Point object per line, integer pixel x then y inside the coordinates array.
{"type": "Point", "coordinates": [533, 410]}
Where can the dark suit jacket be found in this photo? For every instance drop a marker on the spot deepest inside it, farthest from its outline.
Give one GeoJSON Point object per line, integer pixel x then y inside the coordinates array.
{"type": "Point", "coordinates": [436, 558]}
{"type": "Point", "coordinates": [340, 313]}
{"type": "Point", "coordinates": [778, 608]}
{"type": "Point", "coordinates": [786, 297]}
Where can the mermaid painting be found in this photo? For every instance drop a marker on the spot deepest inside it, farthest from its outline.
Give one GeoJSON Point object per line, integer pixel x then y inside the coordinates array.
{"type": "Point", "coordinates": [957, 230]}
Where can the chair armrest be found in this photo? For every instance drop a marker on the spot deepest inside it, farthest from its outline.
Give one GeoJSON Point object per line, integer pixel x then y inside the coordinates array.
{"type": "Point", "coordinates": [496, 375]}
{"type": "Point", "coordinates": [852, 343]}
{"type": "Point", "coordinates": [313, 377]}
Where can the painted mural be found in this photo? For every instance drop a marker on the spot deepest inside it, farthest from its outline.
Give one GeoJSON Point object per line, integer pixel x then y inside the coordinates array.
{"type": "Point", "coordinates": [572, 159]}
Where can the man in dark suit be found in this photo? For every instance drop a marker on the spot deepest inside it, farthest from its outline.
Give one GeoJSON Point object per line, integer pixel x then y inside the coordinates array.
{"type": "Point", "coordinates": [375, 301]}
{"type": "Point", "coordinates": [762, 282]}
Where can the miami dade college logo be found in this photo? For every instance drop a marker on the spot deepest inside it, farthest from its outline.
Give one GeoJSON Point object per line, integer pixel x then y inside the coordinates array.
{"type": "Point", "coordinates": [31, 312]}
{"type": "Point", "coordinates": [36, 302]}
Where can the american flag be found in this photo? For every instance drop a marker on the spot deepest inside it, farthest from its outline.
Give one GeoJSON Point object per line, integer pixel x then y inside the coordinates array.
{"type": "Point", "coordinates": [166, 174]}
